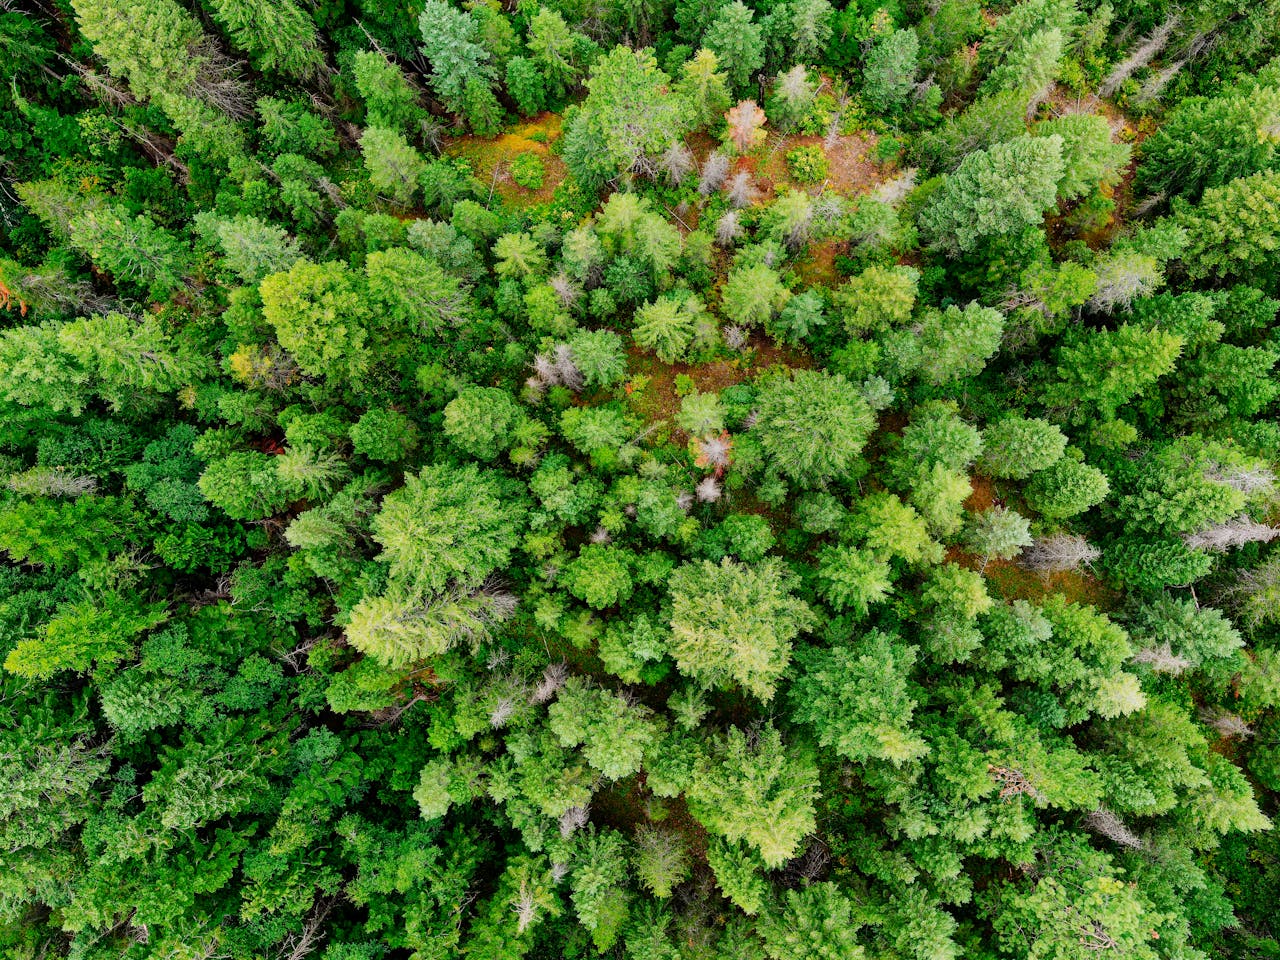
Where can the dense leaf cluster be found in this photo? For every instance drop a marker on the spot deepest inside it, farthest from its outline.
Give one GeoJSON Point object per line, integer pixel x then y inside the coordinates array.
{"type": "Point", "coordinates": [663, 479]}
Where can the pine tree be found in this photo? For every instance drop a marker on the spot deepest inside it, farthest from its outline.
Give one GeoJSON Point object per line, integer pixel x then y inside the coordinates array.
{"type": "Point", "coordinates": [738, 43]}
{"type": "Point", "coordinates": [733, 623]}
{"type": "Point", "coordinates": [995, 192]}
{"type": "Point", "coordinates": [278, 35]}
{"type": "Point", "coordinates": [749, 788]}
{"type": "Point", "coordinates": [859, 699]}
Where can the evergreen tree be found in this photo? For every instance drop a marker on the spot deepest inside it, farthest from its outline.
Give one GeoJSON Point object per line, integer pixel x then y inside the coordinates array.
{"type": "Point", "coordinates": [737, 42]}
{"type": "Point", "coordinates": [732, 623]}
{"type": "Point", "coordinates": [748, 788]}
{"type": "Point", "coordinates": [994, 193]}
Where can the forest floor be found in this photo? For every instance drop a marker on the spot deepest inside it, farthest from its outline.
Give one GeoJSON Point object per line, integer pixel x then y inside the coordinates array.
{"type": "Point", "coordinates": [491, 157]}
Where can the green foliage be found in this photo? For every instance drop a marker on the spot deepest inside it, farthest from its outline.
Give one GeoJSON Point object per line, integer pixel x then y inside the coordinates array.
{"type": "Point", "coordinates": [1016, 447]}
{"type": "Point", "coordinates": [731, 623]}
{"type": "Point", "coordinates": [599, 576]}
{"type": "Point", "coordinates": [995, 193]}
{"type": "Point", "coordinates": [812, 425]}
{"type": "Point", "coordinates": [527, 170]}
{"type": "Point", "coordinates": [1232, 233]}
{"type": "Point", "coordinates": [447, 524]}
{"type": "Point", "coordinates": [1091, 159]}
{"type": "Point", "coordinates": [390, 100]}
{"type": "Point", "coordinates": [817, 921]}
{"type": "Point", "coordinates": [79, 636]}
{"type": "Point", "coordinates": [890, 70]}
{"type": "Point", "coordinates": [451, 44]}
{"type": "Point", "coordinates": [1066, 488]}
{"type": "Point", "coordinates": [853, 579]}
{"type": "Point", "coordinates": [957, 343]}
{"type": "Point", "coordinates": [629, 112]}
{"type": "Point", "coordinates": [479, 421]}
{"type": "Point", "coordinates": [421, 543]}
{"type": "Point", "coordinates": [613, 734]}
{"type": "Point", "coordinates": [749, 789]}
{"type": "Point", "coordinates": [752, 295]}
{"type": "Point", "coordinates": [394, 166]}
{"type": "Point", "coordinates": [1206, 143]}
{"type": "Point", "coordinates": [320, 316]}
{"type": "Point", "coordinates": [858, 699]}
{"type": "Point", "coordinates": [737, 41]}
{"type": "Point", "coordinates": [278, 36]}
{"type": "Point", "coordinates": [807, 164]}
{"type": "Point", "coordinates": [134, 250]}
{"type": "Point", "coordinates": [384, 435]}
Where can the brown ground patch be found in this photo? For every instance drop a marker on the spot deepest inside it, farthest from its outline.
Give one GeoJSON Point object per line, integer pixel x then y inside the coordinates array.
{"type": "Point", "coordinates": [490, 158]}
{"type": "Point", "coordinates": [983, 496]}
{"type": "Point", "coordinates": [850, 167]}
{"type": "Point", "coordinates": [657, 398]}
{"type": "Point", "coordinates": [818, 265]}
{"type": "Point", "coordinates": [1013, 582]}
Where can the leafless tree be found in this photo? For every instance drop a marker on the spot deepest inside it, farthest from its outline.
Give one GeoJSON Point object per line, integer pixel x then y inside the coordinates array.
{"type": "Point", "coordinates": [1142, 54]}
{"type": "Point", "coordinates": [546, 370]}
{"type": "Point", "coordinates": [837, 119]}
{"type": "Point", "coordinates": [894, 191]}
{"type": "Point", "coordinates": [1230, 534]}
{"type": "Point", "coordinates": [1058, 553]}
{"type": "Point", "coordinates": [553, 678]}
{"type": "Point", "coordinates": [1155, 84]}
{"type": "Point", "coordinates": [567, 368]}
{"type": "Point", "coordinates": [298, 945]}
{"type": "Point", "coordinates": [1107, 824]}
{"type": "Point", "coordinates": [1123, 278]}
{"type": "Point", "coordinates": [1162, 659]}
{"type": "Point", "coordinates": [742, 192]}
{"type": "Point", "coordinates": [501, 713]}
{"type": "Point", "coordinates": [573, 820]}
{"type": "Point", "coordinates": [728, 228]}
{"type": "Point", "coordinates": [1226, 724]}
{"type": "Point", "coordinates": [51, 482]}
{"type": "Point", "coordinates": [1013, 782]}
{"type": "Point", "coordinates": [566, 290]}
{"type": "Point", "coordinates": [714, 171]}
{"type": "Point", "coordinates": [676, 163]}
{"type": "Point", "coordinates": [745, 124]}
{"type": "Point", "coordinates": [708, 490]}
{"type": "Point", "coordinates": [525, 906]}
{"type": "Point", "coordinates": [828, 210]}
{"type": "Point", "coordinates": [220, 80]}
{"type": "Point", "coordinates": [1244, 479]}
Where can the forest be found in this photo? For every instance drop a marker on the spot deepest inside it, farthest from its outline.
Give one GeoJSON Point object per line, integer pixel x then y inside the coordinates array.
{"type": "Point", "coordinates": [641, 479]}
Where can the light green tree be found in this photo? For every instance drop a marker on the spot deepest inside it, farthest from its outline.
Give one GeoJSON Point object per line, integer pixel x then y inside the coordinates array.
{"type": "Point", "coordinates": [750, 788]}
{"type": "Point", "coordinates": [734, 624]}
{"type": "Point", "coordinates": [612, 733]}
{"type": "Point", "coordinates": [859, 700]}
{"type": "Point", "coordinates": [995, 192]}
{"type": "Point", "coordinates": [320, 314]}
{"type": "Point", "coordinates": [813, 425]}
{"type": "Point", "coordinates": [394, 165]}
{"type": "Point", "coordinates": [448, 524]}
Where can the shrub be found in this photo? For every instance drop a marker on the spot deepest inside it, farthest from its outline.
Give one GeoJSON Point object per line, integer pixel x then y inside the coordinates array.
{"type": "Point", "coordinates": [807, 164]}
{"type": "Point", "coordinates": [527, 170]}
